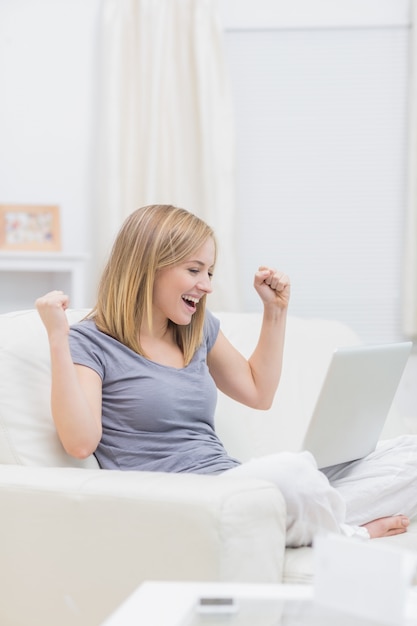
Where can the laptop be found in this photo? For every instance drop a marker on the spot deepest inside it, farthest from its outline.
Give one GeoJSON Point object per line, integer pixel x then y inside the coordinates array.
{"type": "Point", "coordinates": [354, 401]}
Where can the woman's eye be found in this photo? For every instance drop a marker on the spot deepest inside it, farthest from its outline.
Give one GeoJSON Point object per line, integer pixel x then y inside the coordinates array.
{"type": "Point", "coordinates": [197, 271]}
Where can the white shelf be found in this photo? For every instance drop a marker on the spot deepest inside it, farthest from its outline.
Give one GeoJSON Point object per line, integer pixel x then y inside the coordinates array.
{"type": "Point", "coordinates": [24, 276]}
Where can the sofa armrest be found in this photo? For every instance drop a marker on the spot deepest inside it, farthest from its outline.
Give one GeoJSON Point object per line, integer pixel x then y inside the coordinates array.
{"type": "Point", "coordinates": [77, 542]}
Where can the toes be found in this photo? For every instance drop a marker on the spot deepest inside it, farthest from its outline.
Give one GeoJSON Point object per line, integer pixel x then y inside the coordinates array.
{"type": "Point", "coordinates": [387, 526]}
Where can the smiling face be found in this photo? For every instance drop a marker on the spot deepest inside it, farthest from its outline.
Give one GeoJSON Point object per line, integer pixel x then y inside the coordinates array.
{"type": "Point", "coordinates": [179, 288]}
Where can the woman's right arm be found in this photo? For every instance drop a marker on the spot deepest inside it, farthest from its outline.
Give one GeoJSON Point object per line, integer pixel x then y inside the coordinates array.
{"type": "Point", "coordinates": [76, 389]}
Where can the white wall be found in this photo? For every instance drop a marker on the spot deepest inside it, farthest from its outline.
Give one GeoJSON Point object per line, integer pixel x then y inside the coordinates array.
{"type": "Point", "coordinates": [46, 109]}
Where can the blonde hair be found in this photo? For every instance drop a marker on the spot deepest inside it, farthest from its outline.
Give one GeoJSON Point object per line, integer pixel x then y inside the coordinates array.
{"type": "Point", "coordinates": [151, 238]}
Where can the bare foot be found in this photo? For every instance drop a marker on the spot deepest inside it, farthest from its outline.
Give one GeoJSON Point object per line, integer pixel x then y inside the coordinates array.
{"type": "Point", "coordinates": [387, 526]}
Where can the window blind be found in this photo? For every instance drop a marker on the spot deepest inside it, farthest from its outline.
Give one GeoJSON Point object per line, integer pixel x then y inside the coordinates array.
{"type": "Point", "coordinates": [321, 127]}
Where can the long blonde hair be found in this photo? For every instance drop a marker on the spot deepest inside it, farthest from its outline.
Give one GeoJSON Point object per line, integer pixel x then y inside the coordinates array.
{"type": "Point", "coordinates": [151, 238]}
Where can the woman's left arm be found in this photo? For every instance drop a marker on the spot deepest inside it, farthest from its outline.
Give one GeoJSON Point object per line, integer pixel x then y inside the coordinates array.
{"type": "Point", "coordinates": [254, 381]}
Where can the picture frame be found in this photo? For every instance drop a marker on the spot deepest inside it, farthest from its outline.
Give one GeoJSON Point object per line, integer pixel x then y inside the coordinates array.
{"type": "Point", "coordinates": [31, 227]}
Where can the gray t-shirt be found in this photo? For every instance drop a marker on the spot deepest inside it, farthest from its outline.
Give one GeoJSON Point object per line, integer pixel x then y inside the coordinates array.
{"type": "Point", "coordinates": [155, 417]}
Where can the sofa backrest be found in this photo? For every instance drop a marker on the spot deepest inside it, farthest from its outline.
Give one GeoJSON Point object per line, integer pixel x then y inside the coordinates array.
{"type": "Point", "coordinates": [309, 345]}
{"type": "Point", "coordinates": [27, 433]}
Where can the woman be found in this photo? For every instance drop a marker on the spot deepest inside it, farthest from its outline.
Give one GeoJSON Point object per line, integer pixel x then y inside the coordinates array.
{"type": "Point", "coordinates": [135, 382]}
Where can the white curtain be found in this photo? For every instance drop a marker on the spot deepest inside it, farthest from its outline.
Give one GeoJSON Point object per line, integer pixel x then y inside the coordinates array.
{"type": "Point", "coordinates": [165, 124]}
{"type": "Point", "coordinates": [410, 252]}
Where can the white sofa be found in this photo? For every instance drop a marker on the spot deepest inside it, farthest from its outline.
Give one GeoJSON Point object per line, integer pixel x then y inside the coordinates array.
{"type": "Point", "coordinates": [77, 540]}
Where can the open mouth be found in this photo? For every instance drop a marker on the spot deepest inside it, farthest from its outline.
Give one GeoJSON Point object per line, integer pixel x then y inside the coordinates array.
{"type": "Point", "coordinates": [191, 302]}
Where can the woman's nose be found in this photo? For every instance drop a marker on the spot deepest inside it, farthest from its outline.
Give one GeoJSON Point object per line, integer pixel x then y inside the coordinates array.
{"type": "Point", "coordinates": [205, 284]}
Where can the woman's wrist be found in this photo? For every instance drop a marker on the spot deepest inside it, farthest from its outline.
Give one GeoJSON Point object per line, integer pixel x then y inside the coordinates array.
{"type": "Point", "coordinates": [273, 311]}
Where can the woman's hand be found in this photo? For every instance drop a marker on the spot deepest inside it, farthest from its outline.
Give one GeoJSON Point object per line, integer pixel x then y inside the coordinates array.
{"type": "Point", "coordinates": [273, 287]}
{"type": "Point", "coordinates": [51, 308]}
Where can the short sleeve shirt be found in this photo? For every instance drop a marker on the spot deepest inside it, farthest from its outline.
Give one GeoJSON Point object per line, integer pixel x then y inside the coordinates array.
{"type": "Point", "coordinates": [154, 417]}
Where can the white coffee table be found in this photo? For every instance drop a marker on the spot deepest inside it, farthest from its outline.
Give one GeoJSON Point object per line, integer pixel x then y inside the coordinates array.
{"type": "Point", "coordinates": [178, 604]}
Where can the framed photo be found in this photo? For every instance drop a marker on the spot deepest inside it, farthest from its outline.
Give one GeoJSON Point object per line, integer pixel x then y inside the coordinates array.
{"type": "Point", "coordinates": [29, 227]}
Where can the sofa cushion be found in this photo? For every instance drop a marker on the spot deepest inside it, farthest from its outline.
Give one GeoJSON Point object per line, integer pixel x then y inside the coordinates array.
{"type": "Point", "coordinates": [299, 562]}
{"type": "Point", "coordinates": [298, 566]}
{"type": "Point", "coordinates": [27, 432]}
